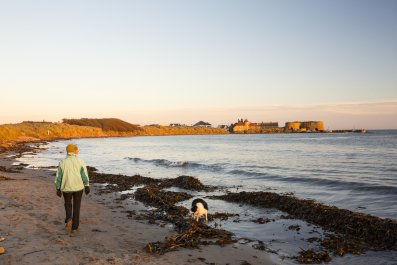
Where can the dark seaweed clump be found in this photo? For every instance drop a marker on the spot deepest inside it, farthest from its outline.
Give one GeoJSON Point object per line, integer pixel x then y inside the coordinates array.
{"type": "Point", "coordinates": [10, 169]}
{"type": "Point", "coordinates": [117, 183]}
{"type": "Point", "coordinates": [153, 195]}
{"type": "Point", "coordinates": [21, 147]}
{"type": "Point", "coordinates": [186, 182]}
{"type": "Point", "coordinates": [193, 235]}
{"type": "Point", "coordinates": [310, 256]}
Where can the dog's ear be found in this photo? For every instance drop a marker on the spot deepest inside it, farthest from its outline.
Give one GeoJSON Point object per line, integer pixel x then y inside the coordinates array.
{"type": "Point", "coordinates": [194, 209]}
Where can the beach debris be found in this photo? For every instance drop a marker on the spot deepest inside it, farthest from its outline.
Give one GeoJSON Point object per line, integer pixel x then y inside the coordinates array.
{"type": "Point", "coordinates": [124, 182]}
{"type": "Point", "coordinates": [154, 196]}
{"type": "Point", "coordinates": [5, 178]}
{"type": "Point", "coordinates": [194, 234]}
{"type": "Point", "coordinates": [187, 183]}
{"type": "Point", "coordinates": [294, 227]}
{"type": "Point", "coordinates": [2, 239]}
{"type": "Point", "coordinates": [353, 232]}
{"type": "Point", "coordinates": [313, 239]}
{"type": "Point", "coordinates": [311, 256]}
{"type": "Point", "coordinates": [118, 183]}
{"type": "Point", "coordinates": [340, 245]}
{"type": "Point", "coordinates": [260, 245]}
{"type": "Point", "coordinates": [2, 250]}
{"type": "Point", "coordinates": [262, 220]}
{"type": "Point", "coordinates": [222, 216]}
{"type": "Point", "coordinates": [10, 169]}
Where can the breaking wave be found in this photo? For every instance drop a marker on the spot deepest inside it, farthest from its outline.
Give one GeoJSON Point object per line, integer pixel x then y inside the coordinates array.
{"type": "Point", "coordinates": [181, 164]}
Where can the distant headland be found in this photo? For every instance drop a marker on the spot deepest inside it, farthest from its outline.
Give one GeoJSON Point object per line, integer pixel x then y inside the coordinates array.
{"type": "Point", "coordinates": [111, 127]}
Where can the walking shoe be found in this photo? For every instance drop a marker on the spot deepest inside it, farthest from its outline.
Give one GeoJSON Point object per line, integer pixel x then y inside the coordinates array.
{"type": "Point", "coordinates": [73, 232]}
{"type": "Point", "coordinates": [68, 225]}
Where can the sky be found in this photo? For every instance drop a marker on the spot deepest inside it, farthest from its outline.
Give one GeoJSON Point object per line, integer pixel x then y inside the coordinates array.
{"type": "Point", "coordinates": [184, 61]}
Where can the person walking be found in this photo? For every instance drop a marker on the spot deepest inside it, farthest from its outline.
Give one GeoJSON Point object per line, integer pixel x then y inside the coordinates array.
{"type": "Point", "coordinates": [71, 180]}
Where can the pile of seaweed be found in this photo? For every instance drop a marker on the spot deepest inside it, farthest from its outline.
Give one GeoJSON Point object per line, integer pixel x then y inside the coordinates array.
{"type": "Point", "coordinates": [353, 232]}
{"type": "Point", "coordinates": [187, 183]}
{"type": "Point", "coordinates": [12, 169]}
{"type": "Point", "coordinates": [21, 147]}
{"type": "Point", "coordinates": [191, 234]}
{"type": "Point", "coordinates": [117, 183]}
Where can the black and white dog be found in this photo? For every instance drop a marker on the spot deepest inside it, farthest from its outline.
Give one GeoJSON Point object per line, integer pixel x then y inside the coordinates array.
{"type": "Point", "coordinates": [199, 209]}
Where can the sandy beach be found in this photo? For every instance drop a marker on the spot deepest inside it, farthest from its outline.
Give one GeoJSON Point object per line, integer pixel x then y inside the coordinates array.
{"type": "Point", "coordinates": [31, 221]}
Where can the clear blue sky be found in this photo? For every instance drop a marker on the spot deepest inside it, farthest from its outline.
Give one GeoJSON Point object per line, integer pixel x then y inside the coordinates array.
{"type": "Point", "coordinates": [184, 61]}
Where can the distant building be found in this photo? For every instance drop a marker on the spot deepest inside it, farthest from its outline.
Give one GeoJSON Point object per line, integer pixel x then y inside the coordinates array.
{"type": "Point", "coordinates": [223, 127]}
{"type": "Point", "coordinates": [241, 126]}
{"type": "Point", "coordinates": [269, 125]}
{"type": "Point", "coordinates": [203, 124]}
{"type": "Point", "coordinates": [246, 126]}
{"type": "Point", "coordinates": [305, 126]}
{"type": "Point", "coordinates": [175, 125]}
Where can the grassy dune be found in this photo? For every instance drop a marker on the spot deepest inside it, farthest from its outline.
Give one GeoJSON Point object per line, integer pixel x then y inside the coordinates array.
{"type": "Point", "coordinates": [109, 124]}
{"type": "Point", "coordinates": [35, 131]}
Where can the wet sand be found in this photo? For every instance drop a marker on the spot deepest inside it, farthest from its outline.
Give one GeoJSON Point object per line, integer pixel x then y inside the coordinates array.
{"type": "Point", "coordinates": [31, 221]}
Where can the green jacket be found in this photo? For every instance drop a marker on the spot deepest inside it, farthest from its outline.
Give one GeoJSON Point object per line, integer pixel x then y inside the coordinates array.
{"type": "Point", "coordinates": [72, 174]}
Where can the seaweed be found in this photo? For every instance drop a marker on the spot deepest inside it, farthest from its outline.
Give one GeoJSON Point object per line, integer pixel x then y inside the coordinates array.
{"type": "Point", "coordinates": [310, 256]}
{"type": "Point", "coordinates": [195, 234]}
{"type": "Point", "coordinates": [10, 169]}
{"type": "Point", "coordinates": [262, 220]}
{"type": "Point", "coordinates": [187, 183]}
{"type": "Point", "coordinates": [221, 216]}
{"type": "Point", "coordinates": [118, 182]}
{"type": "Point", "coordinates": [154, 196]}
{"type": "Point", "coordinates": [353, 232]}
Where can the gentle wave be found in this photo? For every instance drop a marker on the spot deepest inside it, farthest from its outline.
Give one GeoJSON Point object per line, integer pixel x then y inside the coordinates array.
{"type": "Point", "coordinates": [182, 164]}
{"type": "Point", "coordinates": [251, 174]}
{"type": "Point", "coordinates": [334, 183]}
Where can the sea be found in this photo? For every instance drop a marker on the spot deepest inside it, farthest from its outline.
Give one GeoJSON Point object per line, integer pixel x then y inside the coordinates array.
{"type": "Point", "coordinates": [355, 171]}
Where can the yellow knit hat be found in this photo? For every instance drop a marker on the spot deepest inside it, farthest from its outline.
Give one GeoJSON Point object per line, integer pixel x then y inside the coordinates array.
{"type": "Point", "coordinates": [71, 148]}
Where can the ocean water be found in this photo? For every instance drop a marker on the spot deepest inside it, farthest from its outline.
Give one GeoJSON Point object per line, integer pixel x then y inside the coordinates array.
{"type": "Point", "coordinates": [353, 171]}
{"type": "Point", "coordinates": [349, 170]}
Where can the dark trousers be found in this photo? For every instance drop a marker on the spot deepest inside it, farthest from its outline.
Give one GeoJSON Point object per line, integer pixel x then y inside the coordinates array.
{"type": "Point", "coordinates": [75, 208]}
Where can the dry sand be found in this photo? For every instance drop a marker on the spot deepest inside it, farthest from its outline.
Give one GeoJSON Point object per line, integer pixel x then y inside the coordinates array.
{"type": "Point", "coordinates": [31, 220]}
